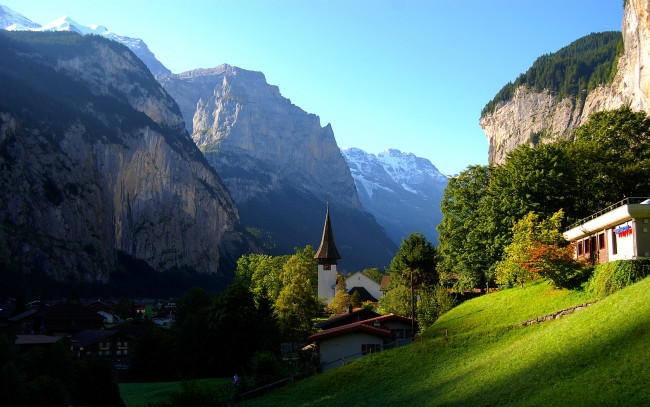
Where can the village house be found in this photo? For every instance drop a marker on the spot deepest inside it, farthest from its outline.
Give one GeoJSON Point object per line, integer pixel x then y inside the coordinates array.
{"type": "Point", "coordinates": [618, 232]}
{"type": "Point", "coordinates": [65, 319]}
{"type": "Point", "coordinates": [342, 343]}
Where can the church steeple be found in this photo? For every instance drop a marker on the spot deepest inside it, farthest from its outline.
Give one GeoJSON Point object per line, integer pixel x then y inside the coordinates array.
{"type": "Point", "coordinates": [327, 256]}
{"type": "Point", "coordinates": [327, 252]}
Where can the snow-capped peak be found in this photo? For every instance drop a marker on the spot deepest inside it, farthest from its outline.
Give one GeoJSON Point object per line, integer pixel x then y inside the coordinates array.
{"type": "Point", "coordinates": [12, 20]}
{"type": "Point", "coordinates": [65, 23]}
{"type": "Point", "coordinates": [407, 170]}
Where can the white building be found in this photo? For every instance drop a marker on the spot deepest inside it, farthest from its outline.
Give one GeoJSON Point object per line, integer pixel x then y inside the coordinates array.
{"type": "Point", "coordinates": [619, 232]}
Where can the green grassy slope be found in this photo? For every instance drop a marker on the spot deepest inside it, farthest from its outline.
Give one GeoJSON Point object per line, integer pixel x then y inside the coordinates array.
{"type": "Point", "coordinates": [140, 394]}
{"type": "Point", "coordinates": [597, 356]}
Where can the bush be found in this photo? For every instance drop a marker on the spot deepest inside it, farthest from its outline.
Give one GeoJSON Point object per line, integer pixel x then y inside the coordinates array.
{"type": "Point", "coordinates": [193, 394]}
{"type": "Point", "coordinates": [611, 277]}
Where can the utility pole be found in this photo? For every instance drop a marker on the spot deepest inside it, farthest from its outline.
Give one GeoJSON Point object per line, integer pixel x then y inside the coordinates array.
{"type": "Point", "coordinates": [412, 309]}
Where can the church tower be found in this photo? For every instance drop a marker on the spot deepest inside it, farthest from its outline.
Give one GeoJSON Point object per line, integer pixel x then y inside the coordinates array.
{"type": "Point", "coordinates": [327, 256]}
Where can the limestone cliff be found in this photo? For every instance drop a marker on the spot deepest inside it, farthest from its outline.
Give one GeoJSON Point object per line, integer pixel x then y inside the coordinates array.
{"type": "Point", "coordinates": [531, 117]}
{"type": "Point", "coordinates": [278, 162]}
{"type": "Point", "coordinates": [95, 160]}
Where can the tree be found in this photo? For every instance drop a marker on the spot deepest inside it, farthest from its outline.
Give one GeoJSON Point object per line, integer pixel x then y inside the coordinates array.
{"type": "Point", "coordinates": [463, 241]}
{"type": "Point", "coordinates": [619, 143]}
{"type": "Point", "coordinates": [414, 266]}
{"type": "Point", "coordinates": [374, 274]}
{"type": "Point", "coordinates": [297, 304]}
{"type": "Point", "coordinates": [528, 233]}
{"type": "Point", "coordinates": [341, 300]}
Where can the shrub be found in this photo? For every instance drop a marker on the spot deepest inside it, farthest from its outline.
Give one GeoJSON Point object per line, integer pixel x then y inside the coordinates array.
{"type": "Point", "coordinates": [554, 263]}
{"type": "Point", "coordinates": [611, 277]}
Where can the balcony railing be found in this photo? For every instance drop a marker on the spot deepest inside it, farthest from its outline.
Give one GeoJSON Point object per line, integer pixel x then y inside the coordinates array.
{"type": "Point", "coordinates": [623, 202]}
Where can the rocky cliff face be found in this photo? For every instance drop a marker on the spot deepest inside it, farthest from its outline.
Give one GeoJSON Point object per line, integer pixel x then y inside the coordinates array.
{"type": "Point", "coordinates": [532, 117]}
{"type": "Point", "coordinates": [278, 162]}
{"type": "Point", "coordinates": [95, 160]}
{"type": "Point", "coordinates": [401, 190]}
{"type": "Point", "coordinates": [234, 110]}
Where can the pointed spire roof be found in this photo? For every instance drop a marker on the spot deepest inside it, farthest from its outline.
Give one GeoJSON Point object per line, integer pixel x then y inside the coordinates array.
{"type": "Point", "coordinates": [327, 249]}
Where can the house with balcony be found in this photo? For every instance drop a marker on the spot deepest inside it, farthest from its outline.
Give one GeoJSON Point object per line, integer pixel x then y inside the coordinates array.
{"type": "Point", "coordinates": [618, 232]}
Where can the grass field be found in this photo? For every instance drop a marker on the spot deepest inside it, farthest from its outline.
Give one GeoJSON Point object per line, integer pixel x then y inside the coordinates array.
{"type": "Point", "coordinates": [597, 356]}
{"type": "Point", "coordinates": [139, 394]}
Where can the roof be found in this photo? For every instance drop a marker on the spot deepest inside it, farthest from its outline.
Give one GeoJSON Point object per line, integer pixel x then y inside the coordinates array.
{"type": "Point", "coordinates": [363, 293]}
{"type": "Point", "coordinates": [90, 336]}
{"type": "Point", "coordinates": [357, 314]}
{"type": "Point", "coordinates": [366, 326]}
{"type": "Point", "coordinates": [68, 310]}
{"type": "Point", "coordinates": [384, 283]}
{"type": "Point", "coordinates": [22, 315]}
{"type": "Point", "coordinates": [625, 210]}
{"type": "Point", "coordinates": [35, 339]}
{"type": "Point", "coordinates": [327, 249]}
{"type": "Point", "coordinates": [360, 326]}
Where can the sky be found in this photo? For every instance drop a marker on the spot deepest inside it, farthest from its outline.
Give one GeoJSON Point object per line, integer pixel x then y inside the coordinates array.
{"type": "Point", "coordinates": [405, 74]}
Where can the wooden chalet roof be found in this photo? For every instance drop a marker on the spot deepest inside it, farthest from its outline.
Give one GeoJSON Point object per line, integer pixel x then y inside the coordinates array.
{"type": "Point", "coordinates": [36, 339]}
{"type": "Point", "coordinates": [371, 326]}
{"type": "Point", "coordinates": [89, 336]}
{"type": "Point", "coordinates": [360, 326]}
{"type": "Point", "coordinates": [357, 314]}
{"type": "Point", "coordinates": [327, 249]}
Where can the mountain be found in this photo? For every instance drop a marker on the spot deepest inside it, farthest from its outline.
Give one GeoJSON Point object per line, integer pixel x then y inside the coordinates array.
{"type": "Point", "coordinates": [13, 21]}
{"type": "Point", "coordinates": [279, 163]}
{"type": "Point", "coordinates": [530, 114]}
{"type": "Point", "coordinates": [401, 190]}
{"type": "Point", "coordinates": [96, 166]}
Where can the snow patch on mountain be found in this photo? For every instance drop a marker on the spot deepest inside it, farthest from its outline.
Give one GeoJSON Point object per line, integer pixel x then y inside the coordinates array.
{"type": "Point", "coordinates": [14, 21]}
{"type": "Point", "coordinates": [401, 190]}
{"type": "Point", "coordinates": [391, 167]}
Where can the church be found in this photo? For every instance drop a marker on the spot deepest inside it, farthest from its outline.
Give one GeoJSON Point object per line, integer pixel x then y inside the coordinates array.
{"type": "Point", "coordinates": [327, 257]}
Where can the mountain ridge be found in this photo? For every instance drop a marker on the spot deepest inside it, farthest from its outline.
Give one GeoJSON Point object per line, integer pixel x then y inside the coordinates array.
{"type": "Point", "coordinates": [401, 190]}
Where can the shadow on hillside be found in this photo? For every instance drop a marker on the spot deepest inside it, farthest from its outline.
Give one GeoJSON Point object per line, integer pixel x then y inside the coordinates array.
{"type": "Point", "coordinates": [610, 369]}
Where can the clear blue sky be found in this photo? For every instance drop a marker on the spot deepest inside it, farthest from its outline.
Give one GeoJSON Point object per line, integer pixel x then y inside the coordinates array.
{"type": "Point", "coordinates": [411, 75]}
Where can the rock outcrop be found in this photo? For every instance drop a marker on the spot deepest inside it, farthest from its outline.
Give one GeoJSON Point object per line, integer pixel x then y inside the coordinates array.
{"type": "Point", "coordinates": [278, 162]}
{"type": "Point", "coordinates": [95, 161]}
{"type": "Point", "coordinates": [531, 117]}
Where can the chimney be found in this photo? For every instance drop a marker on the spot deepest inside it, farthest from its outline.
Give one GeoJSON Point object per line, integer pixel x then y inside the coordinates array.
{"type": "Point", "coordinates": [350, 309]}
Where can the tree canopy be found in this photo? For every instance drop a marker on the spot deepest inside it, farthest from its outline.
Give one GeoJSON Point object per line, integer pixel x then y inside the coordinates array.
{"type": "Point", "coordinates": [608, 160]}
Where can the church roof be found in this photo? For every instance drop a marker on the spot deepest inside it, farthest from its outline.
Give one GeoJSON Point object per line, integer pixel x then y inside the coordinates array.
{"type": "Point", "coordinates": [327, 249]}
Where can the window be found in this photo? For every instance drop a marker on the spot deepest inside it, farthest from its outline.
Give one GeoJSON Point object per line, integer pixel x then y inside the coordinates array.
{"type": "Point", "coordinates": [579, 248]}
{"type": "Point", "coordinates": [601, 241]}
{"type": "Point", "coordinates": [587, 248]}
{"type": "Point", "coordinates": [367, 348]}
{"type": "Point", "coordinates": [614, 248]}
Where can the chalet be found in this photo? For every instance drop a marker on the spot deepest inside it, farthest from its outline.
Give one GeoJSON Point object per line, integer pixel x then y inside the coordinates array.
{"type": "Point", "coordinates": [66, 319]}
{"type": "Point", "coordinates": [353, 315]}
{"type": "Point", "coordinates": [618, 232]}
{"type": "Point", "coordinates": [110, 344]}
{"type": "Point", "coordinates": [342, 343]}
{"type": "Point", "coordinates": [22, 324]}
